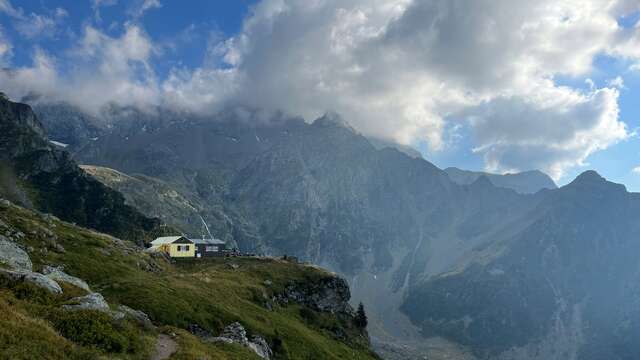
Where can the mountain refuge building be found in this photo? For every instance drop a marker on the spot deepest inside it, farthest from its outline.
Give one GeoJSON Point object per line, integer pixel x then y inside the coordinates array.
{"type": "Point", "coordinates": [182, 247]}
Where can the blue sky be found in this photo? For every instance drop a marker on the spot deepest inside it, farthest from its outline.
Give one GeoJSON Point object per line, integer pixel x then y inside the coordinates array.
{"type": "Point", "coordinates": [200, 20]}
{"type": "Point", "coordinates": [563, 99]}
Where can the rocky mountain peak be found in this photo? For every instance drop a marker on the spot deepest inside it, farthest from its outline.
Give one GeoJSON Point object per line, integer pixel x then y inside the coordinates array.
{"type": "Point", "coordinates": [332, 119]}
{"type": "Point", "coordinates": [593, 183]}
{"type": "Point", "coordinates": [589, 177]}
{"type": "Point", "coordinates": [482, 182]}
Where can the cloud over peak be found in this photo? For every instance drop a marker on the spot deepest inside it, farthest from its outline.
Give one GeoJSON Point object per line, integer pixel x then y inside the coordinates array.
{"type": "Point", "coordinates": [398, 69]}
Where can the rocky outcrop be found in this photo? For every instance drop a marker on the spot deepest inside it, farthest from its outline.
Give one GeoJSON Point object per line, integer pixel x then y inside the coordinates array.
{"type": "Point", "coordinates": [140, 317]}
{"type": "Point", "coordinates": [235, 333]}
{"type": "Point", "coordinates": [56, 273]}
{"type": "Point", "coordinates": [20, 266]}
{"type": "Point", "coordinates": [13, 255]}
{"type": "Point", "coordinates": [260, 346]}
{"type": "Point", "coordinates": [34, 278]}
{"type": "Point", "coordinates": [93, 301]}
{"type": "Point", "coordinates": [329, 294]}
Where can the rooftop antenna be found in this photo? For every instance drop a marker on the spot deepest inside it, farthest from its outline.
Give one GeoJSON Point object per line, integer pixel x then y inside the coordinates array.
{"type": "Point", "coordinates": [206, 227]}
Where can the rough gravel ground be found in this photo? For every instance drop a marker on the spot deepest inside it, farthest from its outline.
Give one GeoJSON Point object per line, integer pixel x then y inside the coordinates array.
{"type": "Point", "coordinates": [165, 347]}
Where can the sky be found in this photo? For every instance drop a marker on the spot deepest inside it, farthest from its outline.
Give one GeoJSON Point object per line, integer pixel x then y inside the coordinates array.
{"type": "Point", "coordinates": [495, 85]}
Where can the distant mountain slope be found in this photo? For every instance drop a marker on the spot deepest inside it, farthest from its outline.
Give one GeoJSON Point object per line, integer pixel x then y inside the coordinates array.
{"type": "Point", "coordinates": [527, 182]}
{"type": "Point", "coordinates": [381, 144]}
{"type": "Point", "coordinates": [37, 174]}
{"type": "Point", "coordinates": [66, 125]}
{"type": "Point", "coordinates": [154, 198]}
{"type": "Point", "coordinates": [566, 287]}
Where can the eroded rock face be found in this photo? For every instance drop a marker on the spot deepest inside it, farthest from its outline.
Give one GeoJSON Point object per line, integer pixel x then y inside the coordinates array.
{"type": "Point", "coordinates": [260, 346]}
{"type": "Point", "coordinates": [11, 254]}
{"type": "Point", "coordinates": [33, 278]}
{"type": "Point", "coordinates": [329, 294]}
{"type": "Point", "coordinates": [57, 274]}
{"type": "Point", "coordinates": [235, 333]}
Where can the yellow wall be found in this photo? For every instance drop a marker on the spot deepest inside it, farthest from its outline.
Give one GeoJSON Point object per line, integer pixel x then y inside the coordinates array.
{"type": "Point", "coordinates": [173, 250]}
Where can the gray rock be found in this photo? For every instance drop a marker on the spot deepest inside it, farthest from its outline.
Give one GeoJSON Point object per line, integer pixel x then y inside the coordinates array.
{"type": "Point", "coordinates": [12, 255]}
{"type": "Point", "coordinates": [57, 274]}
{"type": "Point", "coordinates": [117, 315]}
{"type": "Point", "coordinates": [235, 333]}
{"type": "Point", "coordinates": [260, 346]}
{"type": "Point", "coordinates": [93, 301]}
{"type": "Point", "coordinates": [139, 316]}
{"type": "Point", "coordinates": [58, 248]}
{"type": "Point", "coordinates": [50, 218]}
{"type": "Point", "coordinates": [233, 266]}
{"type": "Point", "coordinates": [330, 294]}
{"type": "Point", "coordinates": [33, 278]}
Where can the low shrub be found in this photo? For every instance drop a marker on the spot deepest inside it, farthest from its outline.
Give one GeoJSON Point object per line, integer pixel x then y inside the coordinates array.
{"type": "Point", "coordinates": [97, 329]}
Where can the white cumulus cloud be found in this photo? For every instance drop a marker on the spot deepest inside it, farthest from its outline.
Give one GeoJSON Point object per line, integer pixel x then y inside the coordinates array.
{"type": "Point", "coordinates": [142, 6]}
{"type": "Point", "coordinates": [107, 70]}
{"type": "Point", "coordinates": [405, 70]}
{"type": "Point", "coordinates": [402, 69]}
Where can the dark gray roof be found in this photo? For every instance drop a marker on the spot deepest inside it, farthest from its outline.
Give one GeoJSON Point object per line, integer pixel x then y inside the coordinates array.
{"type": "Point", "coordinates": [208, 241]}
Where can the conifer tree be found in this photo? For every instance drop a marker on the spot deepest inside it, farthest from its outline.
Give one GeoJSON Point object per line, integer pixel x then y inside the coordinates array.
{"type": "Point", "coordinates": [361, 317]}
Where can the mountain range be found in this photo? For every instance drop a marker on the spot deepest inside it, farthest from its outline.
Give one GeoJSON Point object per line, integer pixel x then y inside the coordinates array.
{"type": "Point", "coordinates": [448, 263]}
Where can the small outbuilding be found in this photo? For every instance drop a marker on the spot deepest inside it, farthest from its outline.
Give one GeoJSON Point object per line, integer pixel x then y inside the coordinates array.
{"type": "Point", "coordinates": [182, 247]}
{"type": "Point", "coordinates": [209, 247]}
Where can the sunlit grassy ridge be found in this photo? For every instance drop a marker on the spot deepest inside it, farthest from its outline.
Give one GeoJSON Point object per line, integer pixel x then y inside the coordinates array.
{"type": "Point", "coordinates": [209, 293]}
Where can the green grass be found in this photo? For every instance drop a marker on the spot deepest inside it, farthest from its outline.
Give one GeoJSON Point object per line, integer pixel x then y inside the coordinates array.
{"type": "Point", "coordinates": [23, 336]}
{"type": "Point", "coordinates": [208, 293]}
{"type": "Point", "coordinates": [191, 348]}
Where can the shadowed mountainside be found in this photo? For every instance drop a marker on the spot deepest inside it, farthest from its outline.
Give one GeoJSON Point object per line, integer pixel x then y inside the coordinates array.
{"type": "Point", "coordinates": [35, 173]}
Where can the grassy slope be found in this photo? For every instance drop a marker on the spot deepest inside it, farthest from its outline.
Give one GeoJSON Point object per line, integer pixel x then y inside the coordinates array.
{"type": "Point", "coordinates": [210, 294]}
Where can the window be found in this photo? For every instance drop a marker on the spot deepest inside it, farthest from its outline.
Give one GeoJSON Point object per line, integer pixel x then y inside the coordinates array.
{"type": "Point", "coordinates": [183, 247]}
{"type": "Point", "coordinates": [211, 249]}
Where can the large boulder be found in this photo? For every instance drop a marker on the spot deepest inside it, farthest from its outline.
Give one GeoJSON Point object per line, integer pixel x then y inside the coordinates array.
{"type": "Point", "coordinates": [260, 346]}
{"type": "Point", "coordinates": [137, 315]}
{"type": "Point", "coordinates": [93, 301]}
{"type": "Point", "coordinates": [33, 278]}
{"type": "Point", "coordinates": [57, 274]}
{"type": "Point", "coordinates": [235, 333]}
{"type": "Point", "coordinates": [11, 254]}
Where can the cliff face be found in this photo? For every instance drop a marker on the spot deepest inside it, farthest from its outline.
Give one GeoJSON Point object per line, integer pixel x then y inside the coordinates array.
{"type": "Point", "coordinates": [37, 174]}
{"type": "Point", "coordinates": [330, 294]}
